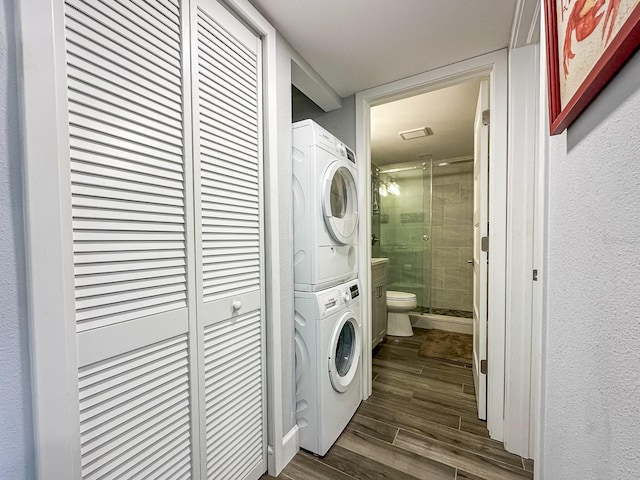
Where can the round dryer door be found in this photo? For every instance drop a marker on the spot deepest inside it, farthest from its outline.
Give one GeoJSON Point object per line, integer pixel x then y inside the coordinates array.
{"type": "Point", "coordinates": [340, 203]}
{"type": "Point", "coordinates": [344, 352]}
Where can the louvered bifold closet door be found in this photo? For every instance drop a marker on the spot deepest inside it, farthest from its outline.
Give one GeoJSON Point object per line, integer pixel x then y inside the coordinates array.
{"type": "Point", "coordinates": [227, 128]}
{"type": "Point", "coordinates": [130, 186]}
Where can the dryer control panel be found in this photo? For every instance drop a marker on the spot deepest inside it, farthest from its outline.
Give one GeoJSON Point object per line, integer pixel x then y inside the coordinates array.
{"type": "Point", "coordinates": [322, 138]}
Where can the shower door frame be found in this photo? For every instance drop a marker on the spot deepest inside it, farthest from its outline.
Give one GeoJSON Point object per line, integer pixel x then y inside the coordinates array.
{"type": "Point", "coordinates": [493, 65]}
{"type": "Point", "coordinates": [426, 227]}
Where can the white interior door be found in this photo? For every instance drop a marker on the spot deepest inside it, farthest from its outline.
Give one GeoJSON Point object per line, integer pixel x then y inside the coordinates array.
{"type": "Point", "coordinates": [227, 112]}
{"type": "Point", "coordinates": [131, 241]}
{"type": "Point", "coordinates": [480, 254]}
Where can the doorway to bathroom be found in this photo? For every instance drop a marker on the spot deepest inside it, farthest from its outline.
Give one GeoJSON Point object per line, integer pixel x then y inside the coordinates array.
{"type": "Point", "coordinates": [422, 218]}
{"type": "Point", "coordinates": [422, 215]}
{"type": "Point", "coordinates": [422, 210]}
{"type": "Point", "coordinates": [431, 244]}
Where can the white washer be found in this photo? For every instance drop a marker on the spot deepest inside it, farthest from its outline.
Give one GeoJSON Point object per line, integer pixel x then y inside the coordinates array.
{"type": "Point", "coordinates": [328, 355]}
{"type": "Point", "coordinates": [325, 209]}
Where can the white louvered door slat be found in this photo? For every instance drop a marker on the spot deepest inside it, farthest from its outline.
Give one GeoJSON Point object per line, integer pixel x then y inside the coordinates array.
{"type": "Point", "coordinates": [227, 147]}
{"type": "Point", "coordinates": [131, 188]}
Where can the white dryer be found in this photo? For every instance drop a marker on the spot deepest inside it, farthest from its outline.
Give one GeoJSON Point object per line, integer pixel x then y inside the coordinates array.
{"type": "Point", "coordinates": [325, 209]}
{"type": "Point", "coordinates": [328, 356]}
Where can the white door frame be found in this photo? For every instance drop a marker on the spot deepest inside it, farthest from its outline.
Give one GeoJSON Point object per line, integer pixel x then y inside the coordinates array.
{"type": "Point", "coordinates": [495, 66]}
{"type": "Point", "coordinates": [520, 354]}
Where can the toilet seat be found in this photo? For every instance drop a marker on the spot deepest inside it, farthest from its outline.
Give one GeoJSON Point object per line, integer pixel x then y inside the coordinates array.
{"type": "Point", "coordinates": [400, 295]}
{"type": "Point", "coordinates": [401, 299]}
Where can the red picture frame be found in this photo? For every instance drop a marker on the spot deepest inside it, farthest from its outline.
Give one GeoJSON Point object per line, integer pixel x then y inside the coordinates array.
{"type": "Point", "coordinates": [616, 52]}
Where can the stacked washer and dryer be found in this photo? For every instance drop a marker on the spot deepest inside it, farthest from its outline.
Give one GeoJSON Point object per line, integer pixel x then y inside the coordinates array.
{"type": "Point", "coordinates": [328, 327]}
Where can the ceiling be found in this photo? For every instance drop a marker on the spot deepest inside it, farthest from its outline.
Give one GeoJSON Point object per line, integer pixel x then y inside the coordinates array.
{"type": "Point", "coordinates": [449, 112]}
{"type": "Point", "coordinates": [358, 44]}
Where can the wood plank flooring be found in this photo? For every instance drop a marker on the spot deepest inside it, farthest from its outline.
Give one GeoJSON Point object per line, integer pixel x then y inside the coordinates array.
{"type": "Point", "coordinates": [419, 423]}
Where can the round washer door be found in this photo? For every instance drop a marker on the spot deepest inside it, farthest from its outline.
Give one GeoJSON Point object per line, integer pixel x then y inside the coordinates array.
{"type": "Point", "coordinates": [344, 352]}
{"type": "Point", "coordinates": [340, 202]}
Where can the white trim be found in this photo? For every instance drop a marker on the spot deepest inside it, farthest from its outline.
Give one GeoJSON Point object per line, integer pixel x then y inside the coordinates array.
{"type": "Point", "coordinates": [495, 65]}
{"type": "Point", "coordinates": [539, 295]}
{"type": "Point", "coordinates": [49, 245]}
{"type": "Point", "coordinates": [290, 444]}
{"type": "Point", "coordinates": [534, 28]}
{"type": "Point", "coordinates": [523, 125]}
{"type": "Point", "coordinates": [307, 80]}
{"type": "Point", "coordinates": [363, 154]}
{"type": "Point", "coordinates": [442, 322]}
{"type": "Point", "coordinates": [525, 21]}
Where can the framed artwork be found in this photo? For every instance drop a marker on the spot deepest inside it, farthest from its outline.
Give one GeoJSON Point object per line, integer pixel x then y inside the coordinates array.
{"type": "Point", "coordinates": [587, 43]}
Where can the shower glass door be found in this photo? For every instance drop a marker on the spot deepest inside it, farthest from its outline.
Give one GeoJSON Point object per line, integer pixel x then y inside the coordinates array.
{"type": "Point", "coordinates": [404, 216]}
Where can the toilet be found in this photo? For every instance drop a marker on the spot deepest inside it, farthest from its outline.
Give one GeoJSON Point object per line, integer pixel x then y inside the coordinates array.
{"type": "Point", "coordinates": [398, 306]}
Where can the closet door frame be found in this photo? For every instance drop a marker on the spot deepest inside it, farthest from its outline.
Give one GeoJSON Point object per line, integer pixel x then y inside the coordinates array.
{"type": "Point", "coordinates": [49, 245]}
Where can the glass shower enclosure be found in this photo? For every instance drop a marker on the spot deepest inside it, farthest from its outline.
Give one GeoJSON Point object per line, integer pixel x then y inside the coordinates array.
{"type": "Point", "coordinates": [401, 226]}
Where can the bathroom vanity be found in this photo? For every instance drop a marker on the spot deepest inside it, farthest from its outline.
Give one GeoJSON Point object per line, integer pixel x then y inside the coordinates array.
{"type": "Point", "coordinates": [378, 300]}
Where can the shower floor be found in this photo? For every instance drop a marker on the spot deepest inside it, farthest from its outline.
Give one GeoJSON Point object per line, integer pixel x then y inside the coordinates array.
{"type": "Point", "coordinates": [444, 311]}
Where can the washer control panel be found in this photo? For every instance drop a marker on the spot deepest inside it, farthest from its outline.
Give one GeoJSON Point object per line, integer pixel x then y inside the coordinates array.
{"type": "Point", "coordinates": [337, 298]}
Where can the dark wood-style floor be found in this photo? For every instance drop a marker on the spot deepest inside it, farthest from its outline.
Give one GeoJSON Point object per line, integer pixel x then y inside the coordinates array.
{"type": "Point", "coordinates": [420, 422]}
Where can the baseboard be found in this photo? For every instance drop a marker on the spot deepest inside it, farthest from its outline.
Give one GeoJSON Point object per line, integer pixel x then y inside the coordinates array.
{"type": "Point", "coordinates": [442, 322]}
{"type": "Point", "coordinates": [290, 445]}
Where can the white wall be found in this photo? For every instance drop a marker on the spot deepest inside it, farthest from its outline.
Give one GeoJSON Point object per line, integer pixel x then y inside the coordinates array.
{"type": "Point", "coordinates": [341, 122]}
{"type": "Point", "coordinates": [591, 369]}
{"type": "Point", "coordinates": [16, 429]}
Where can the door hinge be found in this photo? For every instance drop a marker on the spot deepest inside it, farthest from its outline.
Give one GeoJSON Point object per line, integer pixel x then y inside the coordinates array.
{"type": "Point", "coordinates": [484, 244]}
{"type": "Point", "coordinates": [535, 274]}
{"type": "Point", "coordinates": [483, 367]}
{"type": "Point", "coordinates": [486, 117]}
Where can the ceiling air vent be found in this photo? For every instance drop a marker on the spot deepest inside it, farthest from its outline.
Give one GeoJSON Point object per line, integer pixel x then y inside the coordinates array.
{"type": "Point", "coordinates": [416, 133]}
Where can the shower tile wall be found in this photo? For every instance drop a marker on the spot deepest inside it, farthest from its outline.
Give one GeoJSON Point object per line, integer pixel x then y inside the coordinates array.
{"type": "Point", "coordinates": [452, 242]}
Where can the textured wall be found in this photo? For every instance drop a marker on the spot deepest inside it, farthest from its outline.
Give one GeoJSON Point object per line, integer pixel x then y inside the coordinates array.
{"type": "Point", "coordinates": [591, 376]}
{"type": "Point", "coordinates": [16, 430]}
